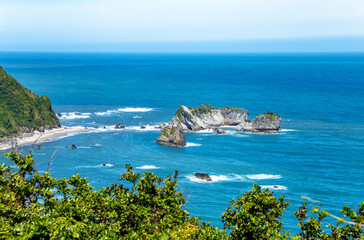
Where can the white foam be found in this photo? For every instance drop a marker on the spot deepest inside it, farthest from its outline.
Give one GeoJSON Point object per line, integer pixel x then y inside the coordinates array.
{"type": "Point", "coordinates": [205, 131]}
{"type": "Point", "coordinates": [147, 128]}
{"type": "Point", "coordinates": [74, 115]}
{"type": "Point", "coordinates": [263, 176]}
{"type": "Point", "coordinates": [98, 145]}
{"type": "Point", "coordinates": [214, 178]}
{"type": "Point", "coordinates": [288, 130]}
{"type": "Point", "coordinates": [137, 116]}
{"type": "Point", "coordinates": [191, 144]}
{"type": "Point", "coordinates": [127, 109]}
{"type": "Point", "coordinates": [96, 166]}
{"type": "Point", "coordinates": [108, 112]}
{"type": "Point", "coordinates": [217, 178]}
{"type": "Point", "coordinates": [83, 147]}
{"type": "Point", "coordinates": [147, 167]}
{"type": "Point", "coordinates": [106, 165]}
{"type": "Point", "coordinates": [111, 128]}
{"type": "Point", "coordinates": [135, 109]}
{"type": "Point", "coordinates": [274, 187]}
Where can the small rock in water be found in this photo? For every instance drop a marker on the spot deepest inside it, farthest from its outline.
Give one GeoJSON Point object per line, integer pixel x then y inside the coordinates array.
{"type": "Point", "coordinates": [118, 126]}
{"type": "Point", "coordinates": [59, 114]}
{"type": "Point", "coordinates": [134, 107]}
{"type": "Point", "coordinates": [142, 127]}
{"type": "Point", "coordinates": [104, 164]}
{"type": "Point", "coordinates": [96, 127]}
{"type": "Point", "coordinates": [39, 147]}
{"type": "Point", "coordinates": [73, 146]}
{"type": "Point", "coordinates": [219, 131]}
{"type": "Point", "coordinates": [203, 176]}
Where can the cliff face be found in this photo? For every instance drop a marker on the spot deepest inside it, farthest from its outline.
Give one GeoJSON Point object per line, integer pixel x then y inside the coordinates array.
{"type": "Point", "coordinates": [263, 122]}
{"type": "Point", "coordinates": [172, 136]}
{"type": "Point", "coordinates": [206, 116]}
{"type": "Point", "coordinates": [22, 110]}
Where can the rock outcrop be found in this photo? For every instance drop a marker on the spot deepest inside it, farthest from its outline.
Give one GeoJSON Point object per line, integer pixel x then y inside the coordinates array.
{"type": "Point", "coordinates": [219, 131]}
{"type": "Point", "coordinates": [263, 122]}
{"type": "Point", "coordinates": [118, 126]}
{"type": "Point", "coordinates": [22, 111]}
{"type": "Point", "coordinates": [172, 136]}
{"type": "Point", "coordinates": [203, 176]}
{"type": "Point", "coordinates": [206, 116]}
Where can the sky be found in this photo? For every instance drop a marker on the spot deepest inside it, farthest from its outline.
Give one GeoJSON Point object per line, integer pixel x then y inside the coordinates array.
{"type": "Point", "coordinates": [182, 25]}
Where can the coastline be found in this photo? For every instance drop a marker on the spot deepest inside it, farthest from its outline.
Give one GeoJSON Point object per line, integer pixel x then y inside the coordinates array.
{"type": "Point", "coordinates": [40, 137]}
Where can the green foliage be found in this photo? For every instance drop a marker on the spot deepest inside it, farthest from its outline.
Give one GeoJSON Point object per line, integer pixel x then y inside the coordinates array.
{"type": "Point", "coordinates": [38, 206]}
{"type": "Point", "coordinates": [231, 108]}
{"type": "Point", "coordinates": [271, 115]}
{"type": "Point", "coordinates": [181, 112]}
{"type": "Point", "coordinates": [168, 131]}
{"type": "Point", "coordinates": [20, 109]}
{"type": "Point", "coordinates": [311, 226]}
{"type": "Point", "coordinates": [204, 108]}
{"type": "Point", "coordinates": [256, 215]}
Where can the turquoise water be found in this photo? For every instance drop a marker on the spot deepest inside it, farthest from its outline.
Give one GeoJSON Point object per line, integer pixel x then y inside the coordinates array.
{"type": "Point", "coordinates": [320, 98]}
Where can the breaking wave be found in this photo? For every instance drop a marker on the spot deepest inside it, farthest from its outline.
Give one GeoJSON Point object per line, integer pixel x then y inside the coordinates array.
{"type": "Point", "coordinates": [147, 167]}
{"type": "Point", "coordinates": [191, 144]}
{"type": "Point", "coordinates": [263, 176]}
{"type": "Point", "coordinates": [217, 178]}
{"type": "Point", "coordinates": [127, 109]}
{"type": "Point", "coordinates": [274, 187]}
{"type": "Point", "coordinates": [74, 115]}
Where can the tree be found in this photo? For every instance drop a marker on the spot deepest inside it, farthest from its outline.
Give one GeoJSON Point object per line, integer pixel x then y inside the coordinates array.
{"type": "Point", "coordinates": [256, 215]}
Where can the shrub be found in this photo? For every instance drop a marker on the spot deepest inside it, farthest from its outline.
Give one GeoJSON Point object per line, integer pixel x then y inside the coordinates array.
{"type": "Point", "coordinates": [256, 215]}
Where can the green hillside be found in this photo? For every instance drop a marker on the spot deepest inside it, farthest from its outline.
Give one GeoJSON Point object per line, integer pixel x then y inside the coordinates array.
{"type": "Point", "coordinates": [22, 110]}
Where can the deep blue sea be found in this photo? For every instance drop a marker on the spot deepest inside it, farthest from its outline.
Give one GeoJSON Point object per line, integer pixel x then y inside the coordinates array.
{"type": "Point", "coordinates": [320, 97]}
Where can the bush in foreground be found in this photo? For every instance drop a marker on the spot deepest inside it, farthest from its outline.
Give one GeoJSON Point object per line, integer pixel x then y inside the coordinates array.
{"type": "Point", "coordinates": [38, 206]}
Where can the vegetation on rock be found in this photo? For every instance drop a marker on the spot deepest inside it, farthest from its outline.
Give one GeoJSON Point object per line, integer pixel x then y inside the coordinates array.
{"type": "Point", "coordinates": [38, 206]}
{"type": "Point", "coordinates": [172, 136]}
{"type": "Point", "coordinates": [22, 110]}
{"type": "Point", "coordinates": [204, 108]}
{"type": "Point", "coordinates": [270, 115]}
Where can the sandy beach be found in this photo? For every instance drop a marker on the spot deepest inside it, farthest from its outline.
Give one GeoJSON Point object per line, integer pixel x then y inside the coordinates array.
{"type": "Point", "coordinates": [40, 137]}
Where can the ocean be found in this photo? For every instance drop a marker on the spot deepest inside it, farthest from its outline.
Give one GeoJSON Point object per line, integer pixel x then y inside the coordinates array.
{"type": "Point", "coordinates": [319, 153]}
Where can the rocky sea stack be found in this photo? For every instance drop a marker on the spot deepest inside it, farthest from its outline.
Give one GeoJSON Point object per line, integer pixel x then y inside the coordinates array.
{"type": "Point", "coordinates": [263, 122]}
{"type": "Point", "coordinates": [22, 111]}
{"type": "Point", "coordinates": [172, 136]}
{"type": "Point", "coordinates": [206, 116]}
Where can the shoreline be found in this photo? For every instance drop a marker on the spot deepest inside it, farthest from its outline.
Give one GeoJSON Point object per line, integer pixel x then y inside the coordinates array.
{"type": "Point", "coordinates": [40, 137]}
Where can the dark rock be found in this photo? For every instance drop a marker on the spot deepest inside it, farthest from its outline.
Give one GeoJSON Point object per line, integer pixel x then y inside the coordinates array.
{"type": "Point", "coordinates": [219, 131]}
{"type": "Point", "coordinates": [73, 146]}
{"type": "Point", "coordinates": [59, 114]}
{"type": "Point", "coordinates": [203, 176]}
{"type": "Point", "coordinates": [96, 127]}
{"type": "Point", "coordinates": [39, 147]}
{"type": "Point", "coordinates": [104, 164]}
{"type": "Point", "coordinates": [172, 136]}
{"type": "Point", "coordinates": [118, 126]}
{"type": "Point", "coordinates": [142, 127]}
